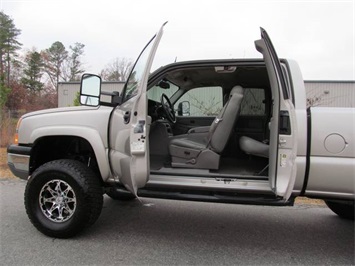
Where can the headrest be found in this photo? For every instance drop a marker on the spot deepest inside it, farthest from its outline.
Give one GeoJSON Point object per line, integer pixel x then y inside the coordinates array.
{"type": "Point", "coordinates": [237, 90]}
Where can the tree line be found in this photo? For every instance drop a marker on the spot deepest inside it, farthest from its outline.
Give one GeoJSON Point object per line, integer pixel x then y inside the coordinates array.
{"type": "Point", "coordinates": [29, 78]}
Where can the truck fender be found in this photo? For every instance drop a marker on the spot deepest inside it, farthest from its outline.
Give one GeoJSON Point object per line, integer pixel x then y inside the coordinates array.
{"type": "Point", "coordinates": [90, 134]}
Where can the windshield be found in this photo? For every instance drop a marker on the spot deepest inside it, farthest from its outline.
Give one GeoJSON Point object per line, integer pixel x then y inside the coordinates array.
{"type": "Point", "coordinates": [156, 91]}
{"type": "Point", "coordinates": [131, 86]}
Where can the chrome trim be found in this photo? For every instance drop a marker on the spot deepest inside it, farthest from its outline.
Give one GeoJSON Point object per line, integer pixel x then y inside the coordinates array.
{"type": "Point", "coordinates": [19, 164]}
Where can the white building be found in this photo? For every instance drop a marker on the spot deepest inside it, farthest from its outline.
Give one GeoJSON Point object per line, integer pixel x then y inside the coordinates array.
{"type": "Point", "coordinates": [67, 91]}
{"type": "Point", "coordinates": [330, 93]}
{"type": "Point", "coordinates": [319, 92]}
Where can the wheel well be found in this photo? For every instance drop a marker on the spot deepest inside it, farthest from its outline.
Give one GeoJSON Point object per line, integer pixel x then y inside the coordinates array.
{"type": "Point", "coordinates": [52, 148]}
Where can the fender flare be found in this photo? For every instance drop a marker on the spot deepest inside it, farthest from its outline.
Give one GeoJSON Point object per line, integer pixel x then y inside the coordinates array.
{"type": "Point", "coordinates": [87, 133]}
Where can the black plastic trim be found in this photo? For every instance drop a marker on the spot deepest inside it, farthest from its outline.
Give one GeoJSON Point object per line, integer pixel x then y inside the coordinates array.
{"type": "Point", "coordinates": [21, 150]}
{"type": "Point", "coordinates": [308, 153]}
{"type": "Point", "coordinates": [217, 197]}
{"type": "Point", "coordinates": [289, 76]}
{"type": "Point", "coordinates": [285, 124]}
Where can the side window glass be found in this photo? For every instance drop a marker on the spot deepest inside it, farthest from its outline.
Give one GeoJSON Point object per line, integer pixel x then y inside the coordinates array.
{"type": "Point", "coordinates": [203, 101]}
{"type": "Point", "coordinates": [253, 102]}
{"type": "Point", "coordinates": [136, 75]}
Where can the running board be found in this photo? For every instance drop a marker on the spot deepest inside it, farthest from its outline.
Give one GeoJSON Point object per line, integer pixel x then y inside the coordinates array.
{"type": "Point", "coordinates": [266, 200]}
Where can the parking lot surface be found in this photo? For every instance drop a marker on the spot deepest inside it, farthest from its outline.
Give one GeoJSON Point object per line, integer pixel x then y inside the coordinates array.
{"type": "Point", "coordinates": [167, 232]}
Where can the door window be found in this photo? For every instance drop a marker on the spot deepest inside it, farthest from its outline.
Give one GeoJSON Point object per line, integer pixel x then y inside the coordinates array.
{"type": "Point", "coordinates": [253, 102]}
{"type": "Point", "coordinates": [203, 101]}
{"type": "Point", "coordinates": [137, 73]}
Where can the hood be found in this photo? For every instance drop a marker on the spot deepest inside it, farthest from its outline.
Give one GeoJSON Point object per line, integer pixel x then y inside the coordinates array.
{"type": "Point", "coordinates": [64, 121]}
{"type": "Point", "coordinates": [60, 110]}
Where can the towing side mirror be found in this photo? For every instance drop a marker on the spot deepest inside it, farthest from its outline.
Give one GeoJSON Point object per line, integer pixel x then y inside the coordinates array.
{"type": "Point", "coordinates": [90, 89]}
{"type": "Point", "coordinates": [184, 108]}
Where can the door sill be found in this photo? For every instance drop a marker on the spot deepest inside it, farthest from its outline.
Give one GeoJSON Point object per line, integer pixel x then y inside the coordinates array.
{"type": "Point", "coordinates": [226, 184]}
{"type": "Point", "coordinates": [205, 173]}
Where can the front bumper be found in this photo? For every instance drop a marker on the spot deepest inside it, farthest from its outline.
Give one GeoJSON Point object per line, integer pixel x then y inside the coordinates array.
{"type": "Point", "coordinates": [18, 160]}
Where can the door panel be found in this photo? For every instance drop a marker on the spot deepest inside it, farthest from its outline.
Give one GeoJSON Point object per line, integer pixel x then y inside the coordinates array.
{"type": "Point", "coordinates": [283, 148]}
{"type": "Point", "coordinates": [129, 124]}
{"type": "Point", "coordinates": [287, 169]}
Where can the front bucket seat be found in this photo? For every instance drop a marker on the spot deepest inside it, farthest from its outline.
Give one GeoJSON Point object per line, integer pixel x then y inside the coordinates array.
{"type": "Point", "coordinates": [202, 148]}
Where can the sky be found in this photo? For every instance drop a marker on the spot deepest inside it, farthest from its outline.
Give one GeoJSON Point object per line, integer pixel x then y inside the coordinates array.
{"type": "Point", "coordinates": [319, 35]}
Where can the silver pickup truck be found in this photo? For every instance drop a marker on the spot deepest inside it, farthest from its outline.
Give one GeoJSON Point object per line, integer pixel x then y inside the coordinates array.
{"type": "Point", "coordinates": [231, 131]}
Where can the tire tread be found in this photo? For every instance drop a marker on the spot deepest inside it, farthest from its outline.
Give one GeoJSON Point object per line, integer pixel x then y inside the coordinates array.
{"type": "Point", "coordinates": [89, 185]}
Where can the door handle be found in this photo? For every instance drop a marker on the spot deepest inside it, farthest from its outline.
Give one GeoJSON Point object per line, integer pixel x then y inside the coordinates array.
{"type": "Point", "coordinates": [126, 117]}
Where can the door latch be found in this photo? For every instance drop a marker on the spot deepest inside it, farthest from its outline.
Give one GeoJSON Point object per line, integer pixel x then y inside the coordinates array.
{"type": "Point", "coordinates": [282, 141]}
{"type": "Point", "coordinates": [126, 117]}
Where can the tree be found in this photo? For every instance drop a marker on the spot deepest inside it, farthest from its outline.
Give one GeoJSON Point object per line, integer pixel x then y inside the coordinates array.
{"type": "Point", "coordinates": [74, 67]}
{"type": "Point", "coordinates": [76, 101]}
{"type": "Point", "coordinates": [315, 98]}
{"type": "Point", "coordinates": [54, 58]}
{"type": "Point", "coordinates": [18, 97]}
{"type": "Point", "coordinates": [117, 70]}
{"type": "Point", "coordinates": [33, 72]}
{"type": "Point", "coordinates": [4, 92]}
{"type": "Point", "coordinates": [8, 45]}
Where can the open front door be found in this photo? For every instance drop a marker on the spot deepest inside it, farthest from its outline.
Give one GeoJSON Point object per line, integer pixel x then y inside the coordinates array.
{"type": "Point", "coordinates": [283, 127]}
{"type": "Point", "coordinates": [129, 124]}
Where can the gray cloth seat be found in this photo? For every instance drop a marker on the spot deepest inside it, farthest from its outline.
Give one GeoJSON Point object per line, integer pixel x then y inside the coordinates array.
{"type": "Point", "coordinates": [201, 148]}
{"type": "Point", "coordinates": [254, 147]}
{"type": "Point", "coordinates": [199, 144]}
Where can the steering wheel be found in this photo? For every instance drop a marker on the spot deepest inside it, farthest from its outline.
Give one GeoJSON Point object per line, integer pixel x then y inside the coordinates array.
{"type": "Point", "coordinates": [168, 108]}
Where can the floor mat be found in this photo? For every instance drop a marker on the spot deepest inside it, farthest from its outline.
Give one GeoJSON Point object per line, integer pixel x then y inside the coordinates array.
{"type": "Point", "coordinates": [248, 167]}
{"type": "Point", "coordinates": [158, 161]}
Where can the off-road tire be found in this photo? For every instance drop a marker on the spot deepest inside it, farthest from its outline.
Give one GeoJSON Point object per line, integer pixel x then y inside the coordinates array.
{"type": "Point", "coordinates": [85, 191]}
{"type": "Point", "coordinates": [342, 208]}
{"type": "Point", "coordinates": [119, 194]}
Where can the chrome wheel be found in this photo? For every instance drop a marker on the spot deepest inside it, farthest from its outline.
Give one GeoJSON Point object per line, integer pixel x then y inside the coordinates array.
{"type": "Point", "coordinates": [63, 197]}
{"type": "Point", "coordinates": [57, 201]}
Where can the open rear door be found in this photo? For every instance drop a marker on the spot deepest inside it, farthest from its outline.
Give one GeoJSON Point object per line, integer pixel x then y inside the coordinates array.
{"type": "Point", "coordinates": [129, 124]}
{"type": "Point", "coordinates": [283, 127]}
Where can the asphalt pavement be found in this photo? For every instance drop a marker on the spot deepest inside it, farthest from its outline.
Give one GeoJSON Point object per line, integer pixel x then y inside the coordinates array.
{"type": "Point", "coordinates": [167, 232]}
